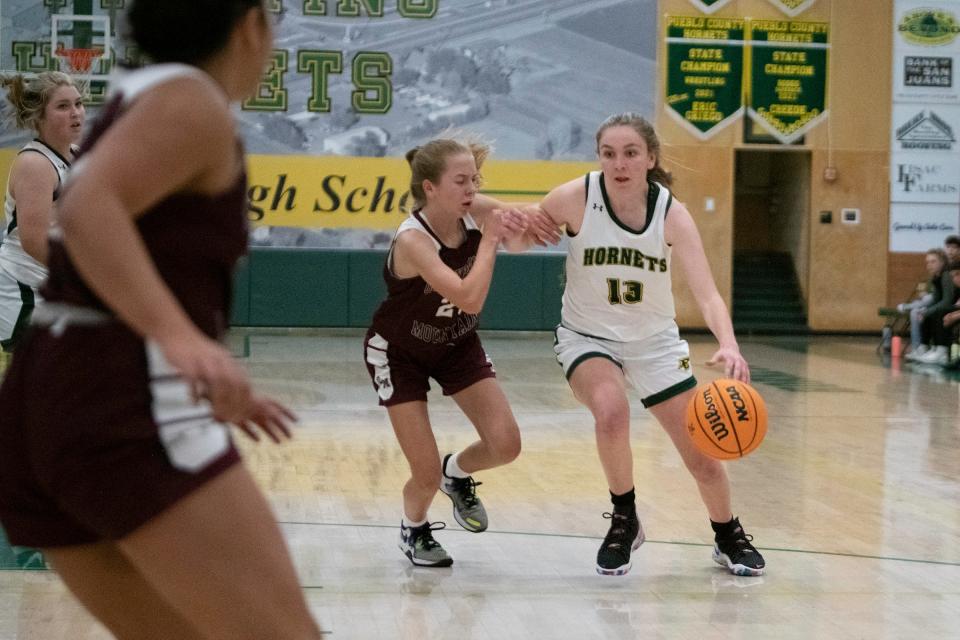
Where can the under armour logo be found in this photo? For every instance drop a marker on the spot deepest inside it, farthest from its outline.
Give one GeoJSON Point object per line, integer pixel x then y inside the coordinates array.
{"type": "Point", "coordinates": [684, 364]}
{"type": "Point", "coordinates": [598, 206]}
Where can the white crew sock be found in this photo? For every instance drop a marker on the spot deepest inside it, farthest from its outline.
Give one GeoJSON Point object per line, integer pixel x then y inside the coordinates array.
{"type": "Point", "coordinates": [453, 469]}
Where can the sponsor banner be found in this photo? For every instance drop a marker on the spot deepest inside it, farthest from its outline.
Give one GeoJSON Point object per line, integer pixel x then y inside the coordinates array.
{"type": "Point", "coordinates": [709, 6]}
{"type": "Point", "coordinates": [793, 7]}
{"type": "Point", "coordinates": [915, 228]}
{"type": "Point", "coordinates": [704, 87]}
{"type": "Point", "coordinates": [931, 26]}
{"type": "Point", "coordinates": [373, 193]}
{"type": "Point", "coordinates": [788, 76]}
{"type": "Point", "coordinates": [922, 77]}
{"type": "Point", "coordinates": [924, 177]}
{"type": "Point", "coordinates": [925, 128]}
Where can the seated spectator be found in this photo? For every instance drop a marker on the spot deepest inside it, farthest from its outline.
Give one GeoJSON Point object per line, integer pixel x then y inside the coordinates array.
{"type": "Point", "coordinates": [951, 321]}
{"type": "Point", "coordinates": [935, 262]}
{"type": "Point", "coordinates": [941, 320]}
{"type": "Point", "coordinates": [951, 247]}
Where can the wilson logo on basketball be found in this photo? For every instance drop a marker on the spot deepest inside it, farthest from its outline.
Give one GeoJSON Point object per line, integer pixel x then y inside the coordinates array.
{"type": "Point", "coordinates": [738, 404]}
{"type": "Point", "coordinates": [726, 419]}
{"type": "Point", "coordinates": [713, 417]}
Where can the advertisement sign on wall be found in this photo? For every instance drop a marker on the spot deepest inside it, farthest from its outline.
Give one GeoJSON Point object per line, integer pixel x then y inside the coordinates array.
{"type": "Point", "coordinates": [925, 177]}
{"type": "Point", "coordinates": [921, 77]}
{"type": "Point", "coordinates": [916, 228]}
{"type": "Point", "coordinates": [926, 51]}
{"type": "Point", "coordinates": [924, 169]}
{"type": "Point", "coordinates": [927, 127]}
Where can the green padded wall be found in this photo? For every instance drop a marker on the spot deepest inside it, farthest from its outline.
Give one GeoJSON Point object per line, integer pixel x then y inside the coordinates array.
{"type": "Point", "coordinates": [367, 288]}
{"type": "Point", "coordinates": [342, 288]}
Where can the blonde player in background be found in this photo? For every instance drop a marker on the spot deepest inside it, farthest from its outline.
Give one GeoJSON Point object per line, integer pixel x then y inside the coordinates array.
{"type": "Point", "coordinates": [51, 106]}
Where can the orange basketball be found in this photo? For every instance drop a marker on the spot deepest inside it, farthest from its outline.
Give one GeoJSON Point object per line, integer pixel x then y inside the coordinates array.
{"type": "Point", "coordinates": [726, 419]}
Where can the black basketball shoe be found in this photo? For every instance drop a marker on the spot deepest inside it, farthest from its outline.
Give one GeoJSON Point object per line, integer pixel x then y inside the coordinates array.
{"type": "Point", "coordinates": [625, 535]}
{"type": "Point", "coordinates": [737, 554]}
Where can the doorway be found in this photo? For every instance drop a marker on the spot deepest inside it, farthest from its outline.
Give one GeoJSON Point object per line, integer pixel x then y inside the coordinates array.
{"type": "Point", "coordinates": [771, 240]}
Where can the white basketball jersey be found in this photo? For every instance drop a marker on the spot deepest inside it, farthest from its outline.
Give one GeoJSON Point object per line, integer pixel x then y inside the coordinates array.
{"type": "Point", "coordinates": [617, 278]}
{"type": "Point", "coordinates": [13, 259]}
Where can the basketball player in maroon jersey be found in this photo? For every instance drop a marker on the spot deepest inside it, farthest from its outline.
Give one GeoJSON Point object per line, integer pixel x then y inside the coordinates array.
{"type": "Point", "coordinates": [438, 273]}
{"type": "Point", "coordinates": [115, 458]}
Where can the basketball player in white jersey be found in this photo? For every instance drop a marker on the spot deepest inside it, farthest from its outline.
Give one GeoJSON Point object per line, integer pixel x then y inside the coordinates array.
{"type": "Point", "coordinates": [617, 327]}
{"type": "Point", "coordinates": [51, 105]}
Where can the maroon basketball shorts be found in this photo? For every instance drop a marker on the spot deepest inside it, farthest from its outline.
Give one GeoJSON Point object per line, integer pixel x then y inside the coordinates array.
{"type": "Point", "coordinates": [402, 375]}
{"type": "Point", "coordinates": [98, 435]}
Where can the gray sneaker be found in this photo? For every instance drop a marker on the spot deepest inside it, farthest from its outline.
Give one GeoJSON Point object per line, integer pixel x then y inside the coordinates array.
{"type": "Point", "coordinates": [417, 543]}
{"type": "Point", "coordinates": [468, 511]}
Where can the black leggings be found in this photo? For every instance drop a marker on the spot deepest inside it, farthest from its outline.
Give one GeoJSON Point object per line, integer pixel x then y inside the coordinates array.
{"type": "Point", "coordinates": [933, 329]}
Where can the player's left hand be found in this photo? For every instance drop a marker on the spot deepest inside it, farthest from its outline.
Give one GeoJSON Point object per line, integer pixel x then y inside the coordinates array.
{"type": "Point", "coordinates": [734, 364]}
{"type": "Point", "coordinates": [544, 230]}
{"type": "Point", "coordinates": [269, 416]}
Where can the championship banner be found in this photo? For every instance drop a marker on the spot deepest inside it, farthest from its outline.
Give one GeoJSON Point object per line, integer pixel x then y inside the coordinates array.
{"type": "Point", "coordinates": [793, 7]}
{"type": "Point", "coordinates": [787, 92]}
{"type": "Point", "coordinates": [704, 73]}
{"type": "Point", "coordinates": [709, 6]}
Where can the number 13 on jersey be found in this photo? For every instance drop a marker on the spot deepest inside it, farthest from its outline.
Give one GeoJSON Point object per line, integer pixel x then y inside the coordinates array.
{"type": "Point", "coordinates": [628, 291]}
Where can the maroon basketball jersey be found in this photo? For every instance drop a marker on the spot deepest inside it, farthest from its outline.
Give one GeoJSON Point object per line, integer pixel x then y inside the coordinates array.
{"type": "Point", "coordinates": [414, 316]}
{"type": "Point", "coordinates": [193, 239]}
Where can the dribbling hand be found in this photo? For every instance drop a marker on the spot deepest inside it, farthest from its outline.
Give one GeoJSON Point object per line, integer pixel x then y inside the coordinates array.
{"type": "Point", "coordinates": [734, 364]}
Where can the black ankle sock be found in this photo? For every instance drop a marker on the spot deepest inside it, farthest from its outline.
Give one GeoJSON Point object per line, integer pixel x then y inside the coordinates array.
{"type": "Point", "coordinates": [725, 529]}
{"type": "Point", "coordinates": [624, 503]}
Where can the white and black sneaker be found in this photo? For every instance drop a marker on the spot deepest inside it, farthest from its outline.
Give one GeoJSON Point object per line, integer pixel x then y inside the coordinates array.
{"type": "Point", "coordinates": [418, 545]}
{"type": "Point", "coordinates": [468, 511]}
{"type": "Point", "coordinates": [623, 538]}
{"type": "Point", "coordinates": [736, 553]}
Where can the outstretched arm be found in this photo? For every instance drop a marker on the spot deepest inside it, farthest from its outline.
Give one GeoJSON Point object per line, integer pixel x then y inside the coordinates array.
{"type": "Point", "coordinates": [537, 229]}
{"type": "Point", "coordinates": [681, 232]}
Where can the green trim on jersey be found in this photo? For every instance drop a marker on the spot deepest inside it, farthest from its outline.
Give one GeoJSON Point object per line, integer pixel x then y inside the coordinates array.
{"type": "Point", "coordinates": [23, 318]}
{"type": "Point", "coordinates": [587, 356]}
{"type": "Point", "coordinates": [579, 333]}
{"type": "Point", "coordinates": [653, 192]}
{"type": "Point", "coordinates": [669, 392]}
